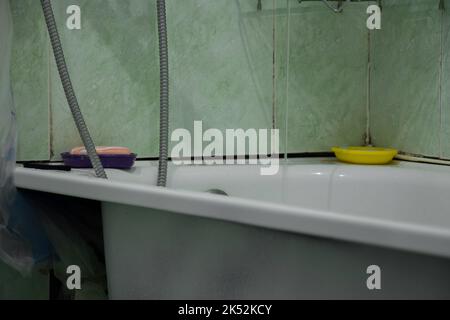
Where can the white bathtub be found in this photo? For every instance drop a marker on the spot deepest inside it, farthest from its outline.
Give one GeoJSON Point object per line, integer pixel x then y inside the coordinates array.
{"type": "Point", "coordinates": [309, 232]}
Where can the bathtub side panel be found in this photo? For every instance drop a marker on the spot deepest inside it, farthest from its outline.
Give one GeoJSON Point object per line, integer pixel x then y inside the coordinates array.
{"type": "Point", "coordinates": [152, 254]}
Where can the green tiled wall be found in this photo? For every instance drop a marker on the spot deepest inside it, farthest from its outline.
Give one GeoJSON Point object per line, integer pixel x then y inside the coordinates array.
{"type": "Point", "coordinates": [221, 56]}
{"type": "Point", "coordinates": [296, 66]}
{"type": "Point", "coordinates": [406, 77]}
{"type": "Point", "coordinates": [30, 79]}
{"type": "Point", "coordinates": [220, 60]}
{"type": "Point", "coordinates": [326, 59]}
{"type": "Point", "coordinates": [112, 63]}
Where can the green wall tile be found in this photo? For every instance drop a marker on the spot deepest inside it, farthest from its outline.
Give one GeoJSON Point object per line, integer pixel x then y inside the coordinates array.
{"type": "Point", "coordinates": [445, 104]}
{"type": "Point", "coordinates": [29, 73]}
{"type": "Point", "coordinates": [405, 108]}
{"type": "Point", "coordinates": [114, 70]}
{"type": "Point", "coordinates": [221, 57]}
{"type": "Point", "coordinates": [327, 85]}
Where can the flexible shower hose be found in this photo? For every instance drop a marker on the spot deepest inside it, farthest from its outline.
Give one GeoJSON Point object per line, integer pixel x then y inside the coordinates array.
{"type": "Point", "coordinates": [164, 94]}
{"type": "Point", "coordinates": [68, 89]}
{"type": "Point", "coordinates": [73, 103]}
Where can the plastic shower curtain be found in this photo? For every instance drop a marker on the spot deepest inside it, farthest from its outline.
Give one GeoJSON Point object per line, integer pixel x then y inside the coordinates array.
{"type": "Point", "coordinates": [13, 249]}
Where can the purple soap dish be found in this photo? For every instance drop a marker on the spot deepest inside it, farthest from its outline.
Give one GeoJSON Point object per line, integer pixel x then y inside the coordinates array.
{"type": "Point", "coordinates": [111, 161]}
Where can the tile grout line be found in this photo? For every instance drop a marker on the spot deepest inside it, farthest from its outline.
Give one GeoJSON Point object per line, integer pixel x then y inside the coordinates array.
{"type": "Point", "coordinates": [441, 70]}
{"type": "Point", "coordinates": [288, 49]}
{"type": "Point", "coordinates": [274, 60]}
{"type": "Point", "coordinates": [368, 139]}
{"type": "Point", "coordinates": [49, 100]}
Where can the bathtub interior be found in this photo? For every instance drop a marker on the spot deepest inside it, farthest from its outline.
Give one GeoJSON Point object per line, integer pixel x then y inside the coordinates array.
{"type": "Point", "coordinates": [405, 192]}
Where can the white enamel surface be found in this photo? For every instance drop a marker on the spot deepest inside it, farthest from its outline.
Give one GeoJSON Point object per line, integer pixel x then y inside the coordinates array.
{"type": "Point", "coordinates": [402, 205]}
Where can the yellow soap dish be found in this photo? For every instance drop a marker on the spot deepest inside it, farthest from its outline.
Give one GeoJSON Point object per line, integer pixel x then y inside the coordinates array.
{"type": "Point", "coordinates": [365, 155]}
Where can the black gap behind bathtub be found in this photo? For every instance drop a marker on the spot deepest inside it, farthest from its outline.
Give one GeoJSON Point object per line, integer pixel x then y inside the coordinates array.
{"type": "Point", "coordinates": [36, 163]}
